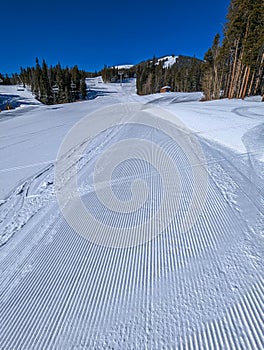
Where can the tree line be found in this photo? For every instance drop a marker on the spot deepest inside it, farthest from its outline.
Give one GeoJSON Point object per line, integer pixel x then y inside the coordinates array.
{"type": "Point", "coordinates": [9, 80]}
{"type": "Point", "coordinates": [54, 84]}
{"type": "Point", "coordinates": [184, 75]}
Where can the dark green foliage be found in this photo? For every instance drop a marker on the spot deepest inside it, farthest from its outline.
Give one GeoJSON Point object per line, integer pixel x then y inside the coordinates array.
{"type": "Point", "coordinates": [45, 85]}
{"type": "Point", "coordinates": [55, 84]}
{"type": "Point", "coordinates": [83, 89]}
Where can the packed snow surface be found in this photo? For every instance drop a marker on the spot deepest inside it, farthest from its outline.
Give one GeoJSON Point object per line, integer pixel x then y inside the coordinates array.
{"type": "Point", "coordinates": [194, 288]}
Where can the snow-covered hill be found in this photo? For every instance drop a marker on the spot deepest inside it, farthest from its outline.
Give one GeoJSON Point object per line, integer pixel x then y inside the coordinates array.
{"type": "Point", "coordinates": [186, 177]}
{"type": "Point", "coordinates": [168, 61]}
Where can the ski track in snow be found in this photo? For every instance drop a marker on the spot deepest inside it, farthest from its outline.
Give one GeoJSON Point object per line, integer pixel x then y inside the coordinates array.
{"type": "Point", "coordinates": [199, 290]}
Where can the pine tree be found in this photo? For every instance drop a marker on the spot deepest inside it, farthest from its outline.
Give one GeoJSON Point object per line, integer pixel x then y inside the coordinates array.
{"type": "Point", "coordinates": [46, 91]}
{"type": "Point", "coordinates": [83, 89]}
{"type": "Point", "coordinates": [37, 77]}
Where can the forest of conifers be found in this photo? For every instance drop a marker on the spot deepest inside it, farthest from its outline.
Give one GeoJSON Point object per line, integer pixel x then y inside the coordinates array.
{"type": "Point", "coordinates": [235, 69]}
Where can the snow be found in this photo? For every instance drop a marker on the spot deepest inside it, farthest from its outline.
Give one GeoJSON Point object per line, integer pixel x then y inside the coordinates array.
{"type": "Point", "coordinates": [23, 94]}
{"type": "Point", "coordinates": [189, 289]}
{"type": "Point", "coordinates": [168, 61]}
{"type": "Point", "coordinates": [124, 66]}
{"type": "Point", "coordinates": [224, 121]}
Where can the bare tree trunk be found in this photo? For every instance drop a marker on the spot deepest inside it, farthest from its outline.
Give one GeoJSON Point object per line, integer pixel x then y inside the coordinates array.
{"type": "Point", "coordinates": [246, 82]}
{"type": "Point", "coordinates": [241, 88]}
{"type": "Point", "coordinates": [231, 86]}
{"type": "Point", "coordinates": [236, 84]}
{"type": "Point", "coordinates": [238, 80]}
{"type": "Point", "coordinates": [251, 83]}
{"type": "Point", "coordinates": [259, 75]}
{"type": "Point", "coordinates": [216, 89]}
{"type": "Point", "coordinates": [228, 81]}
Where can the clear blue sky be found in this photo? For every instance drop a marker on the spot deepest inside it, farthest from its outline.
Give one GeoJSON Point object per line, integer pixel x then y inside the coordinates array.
{"type": "Point", "coordinates": [93, 33]}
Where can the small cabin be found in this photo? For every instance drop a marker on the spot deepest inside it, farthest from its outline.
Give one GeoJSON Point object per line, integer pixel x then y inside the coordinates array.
{"type": "Point", "coordinates": [165, 89]}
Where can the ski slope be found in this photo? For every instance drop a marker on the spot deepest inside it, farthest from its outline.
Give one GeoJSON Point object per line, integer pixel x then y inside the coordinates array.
{"type": "Point", "coordinates": [188, 175]}
{"type": "Point", "coordinates": [168, 61]}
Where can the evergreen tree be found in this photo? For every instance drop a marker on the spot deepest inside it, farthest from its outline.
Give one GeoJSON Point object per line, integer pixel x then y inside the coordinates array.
{"type": "Point", "coordinates": [46, 91]}
{"type": "Point", "coordinates": [83, 89]}
{"type": "Point", "coordinates": [37, 77]}
{"type": "Point", "coordinates": [50, 84]}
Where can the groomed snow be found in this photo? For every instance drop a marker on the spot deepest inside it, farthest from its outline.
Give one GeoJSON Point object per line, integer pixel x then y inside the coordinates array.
{"type": "Point", "coordinates": [198, 289]}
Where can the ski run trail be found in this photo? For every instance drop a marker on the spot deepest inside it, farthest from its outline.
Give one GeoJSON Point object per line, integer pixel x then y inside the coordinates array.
{"type": "Point", "coordinates": [198, 286]}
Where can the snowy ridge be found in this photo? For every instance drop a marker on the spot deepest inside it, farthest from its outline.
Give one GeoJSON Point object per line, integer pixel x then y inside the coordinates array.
{"type": "Point", "coordinates": [168, 61]}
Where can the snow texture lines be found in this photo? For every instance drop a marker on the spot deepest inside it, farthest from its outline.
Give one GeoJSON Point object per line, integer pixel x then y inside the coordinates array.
{"type": "Point", "coordinates": [122, 151]}
{"type": "Point", "coordinates": [169, 257]}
